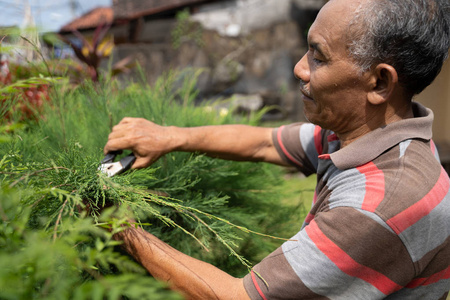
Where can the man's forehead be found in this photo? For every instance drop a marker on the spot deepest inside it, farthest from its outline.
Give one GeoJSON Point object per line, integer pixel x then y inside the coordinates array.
{"type": "Point", "coordinates": [340, 11]}
{"type": "Point", "coordinates": [333, 20]}
{"type": "Point", "coordinates": [348, 3]}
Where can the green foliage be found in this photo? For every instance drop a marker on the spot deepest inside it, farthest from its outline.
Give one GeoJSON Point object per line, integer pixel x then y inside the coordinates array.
{"type": "Point", "coordinates": [25, 83]}
{"type": "Point", "coordinates": [75, 263]}
{"type": "Point", "coordinates": [186, 30]}
{"type": "Point", "coordinates": [52, 248]}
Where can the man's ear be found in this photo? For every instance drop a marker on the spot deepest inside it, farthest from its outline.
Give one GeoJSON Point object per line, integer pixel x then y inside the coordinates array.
{"type": "Point", "coordinates": [384, 80]}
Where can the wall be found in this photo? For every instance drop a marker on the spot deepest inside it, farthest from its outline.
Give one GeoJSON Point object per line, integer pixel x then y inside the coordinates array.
{"type": "Point", "coordinates": [241, 17]}
{"type": "Point", "coordinates": [256, 62]}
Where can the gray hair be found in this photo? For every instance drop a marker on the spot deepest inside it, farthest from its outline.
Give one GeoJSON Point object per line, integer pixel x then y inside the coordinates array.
{"type": "Point", "coordinates": [411, 35]}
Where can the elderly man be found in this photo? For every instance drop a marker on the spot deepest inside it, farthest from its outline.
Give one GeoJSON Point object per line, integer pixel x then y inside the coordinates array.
{"type": "Point", "coordinates": [380, 223]}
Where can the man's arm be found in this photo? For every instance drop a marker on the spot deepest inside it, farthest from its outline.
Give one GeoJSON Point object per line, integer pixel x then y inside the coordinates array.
{"type": "Point", "coordinates": [193, 278]}
{"type": "Point", "coordinates": [150, 141]}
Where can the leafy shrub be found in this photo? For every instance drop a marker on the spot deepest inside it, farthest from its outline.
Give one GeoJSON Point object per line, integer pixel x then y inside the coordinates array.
{"type": "Point", "coordinates": [49, 178]}
{"type": "Point", "coordinates": [23, 87]}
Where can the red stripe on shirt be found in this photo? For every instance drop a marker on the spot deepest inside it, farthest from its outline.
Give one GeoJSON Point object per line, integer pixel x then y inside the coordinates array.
{"type": "Point", "coordinates": [257, 285]}
{"type": "Point", "coordinates": [309, 218]}
{"type": "Point", "coordinates": [347, 264]}
{"type": "Point", "coordinates": [444, 274]}
{"type": "Point", "coordinates": [280, 142]}
{"type": "Point", "coordinates": [318, 139]}
{"type": "Point", "coordinates": [422, 208]}
{"type": "Point", "coordinates": [332, 137]}
{"type": "Point", "coordinates": [433, 147]}
{"type": "Point", "coordinates": [375, 187]}
{"type": "Point", "coordinates": [325, 156]}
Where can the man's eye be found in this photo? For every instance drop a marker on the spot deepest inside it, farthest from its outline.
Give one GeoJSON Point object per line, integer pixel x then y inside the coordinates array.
{"type": "Point", "coordinates": [313, 56]}
{"type": "Point", "coordinates": [317, 61]}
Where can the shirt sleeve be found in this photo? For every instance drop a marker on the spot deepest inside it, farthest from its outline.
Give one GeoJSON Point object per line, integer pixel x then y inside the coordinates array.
{"type": "Point", "coordinates": [300, 144]}
{"type": "Point", "coordinates": [341, 254]}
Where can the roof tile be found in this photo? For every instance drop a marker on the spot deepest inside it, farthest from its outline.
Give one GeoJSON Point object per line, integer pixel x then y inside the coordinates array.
{"type": "Point", "coordinates": [91, 19]}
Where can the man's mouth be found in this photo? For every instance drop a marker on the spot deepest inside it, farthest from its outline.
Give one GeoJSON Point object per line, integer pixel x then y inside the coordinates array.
{"type": "Point", "coordinates": [305, 91]}
{"type": "Point", "coordinates": [306, 94]}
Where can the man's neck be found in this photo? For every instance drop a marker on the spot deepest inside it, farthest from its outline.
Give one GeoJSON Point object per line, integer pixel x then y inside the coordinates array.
{"type": "Point", "coordinates": [374, 121]}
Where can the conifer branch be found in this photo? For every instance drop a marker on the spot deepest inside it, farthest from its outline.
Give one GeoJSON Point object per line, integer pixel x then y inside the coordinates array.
{"type": "Point", "coordinates": [219, 237]}
{"type": "Point", "coordinates": [210, 216]}
{"type": "Point", "coordinates": [35, 173]}
{"type": "Point", "coordinates": [55, 230]}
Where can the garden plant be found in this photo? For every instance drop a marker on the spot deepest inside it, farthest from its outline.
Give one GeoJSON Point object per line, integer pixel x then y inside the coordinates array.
{"type": "Point", "coordinates": [58, 212]}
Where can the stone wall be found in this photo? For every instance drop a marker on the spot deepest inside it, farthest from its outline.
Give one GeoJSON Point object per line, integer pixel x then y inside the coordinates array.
{"type": "Point", "coordinates": [257, 66]}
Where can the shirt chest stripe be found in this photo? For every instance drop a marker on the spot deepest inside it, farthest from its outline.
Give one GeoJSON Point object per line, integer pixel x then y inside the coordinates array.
{"type": "Point", "coordinates": [309, 218]}
{"type": "Point", "coordinates": [434, 150]}
{"type": "Point", "coordinates": [443, 275]}
{"type": "Point", "coordinates": [318, 139]}
{"type": "Point", "coordinates": [347, 264]}
{"type": "Point", "coordinates": [433, 147]}
{"type": "Point", "coordinates": [422, 208]}
{"type": "Point", "coordinates": [375, 186]}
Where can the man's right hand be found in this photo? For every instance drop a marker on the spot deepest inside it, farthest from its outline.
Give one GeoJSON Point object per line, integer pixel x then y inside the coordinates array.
{"type": "Point", "coordinates": [147, 140]}
{"type": "Point", "coordinates": [150, 141]}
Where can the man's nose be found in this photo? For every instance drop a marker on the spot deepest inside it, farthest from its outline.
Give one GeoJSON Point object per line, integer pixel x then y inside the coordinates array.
{"type": "Point", "coordinates": [301, 69]}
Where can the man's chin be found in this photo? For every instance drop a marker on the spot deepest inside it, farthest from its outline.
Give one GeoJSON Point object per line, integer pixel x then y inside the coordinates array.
{"type": "Point", "coordinates": [309, 106]}
{"type": "Point", "coordinates": [308, 116]}
{"type": "Point", "coordinates": [311, 114]}
{"type": "Point", "coordinates": [306, 98]}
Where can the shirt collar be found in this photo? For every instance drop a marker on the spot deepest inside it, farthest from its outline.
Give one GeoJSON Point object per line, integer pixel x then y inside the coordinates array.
{"type": "Point", "coordinates": [371, 145]}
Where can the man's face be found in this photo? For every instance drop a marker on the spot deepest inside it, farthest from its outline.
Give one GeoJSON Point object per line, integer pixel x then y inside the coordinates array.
{"type": "Point", "coordinates": [334, 91]}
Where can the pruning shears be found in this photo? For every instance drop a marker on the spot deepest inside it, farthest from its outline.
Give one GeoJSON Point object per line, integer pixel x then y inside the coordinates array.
{"type": "Point", "coordinates": [111, 168]}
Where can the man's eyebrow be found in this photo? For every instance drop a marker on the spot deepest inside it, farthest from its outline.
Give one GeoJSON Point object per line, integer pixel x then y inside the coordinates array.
{"type": "Point", "coordinates": [317, 47]}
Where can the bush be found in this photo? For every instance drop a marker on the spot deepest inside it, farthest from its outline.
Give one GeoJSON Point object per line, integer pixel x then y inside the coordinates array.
{"type": "Point", "coordinates": [52, 248]}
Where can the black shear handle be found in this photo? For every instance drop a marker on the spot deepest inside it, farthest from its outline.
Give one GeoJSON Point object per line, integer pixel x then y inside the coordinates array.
{"type": "Point", "coordinates": [128, 161]}
{"type": "Point", "coordinates": [110, 156]}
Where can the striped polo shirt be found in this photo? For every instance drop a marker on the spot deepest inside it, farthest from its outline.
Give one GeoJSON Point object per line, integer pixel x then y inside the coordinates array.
{"type": "Point", "coordinates": [379, 226]}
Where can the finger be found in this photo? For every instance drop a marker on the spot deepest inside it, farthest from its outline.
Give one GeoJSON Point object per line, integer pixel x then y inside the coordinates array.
{"type": "Point", "coordinates": [115, 145]}
{"type": "Point", "coordinates": [141, 162]}
{"type": "Point", "coordinates": [127, 120]}
{"type": "Point", "coordinates": [122, 126]}
{"type": "Point", "coordinates": [115, 134]}
{"type": "Point", "coordinates": [124, 120]}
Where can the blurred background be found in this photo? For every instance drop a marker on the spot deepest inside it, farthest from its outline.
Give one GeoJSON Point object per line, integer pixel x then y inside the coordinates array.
{"type": "Point", "coordinates": [71, 69]}
{"type": "Point", "coordinates": [245, 50]}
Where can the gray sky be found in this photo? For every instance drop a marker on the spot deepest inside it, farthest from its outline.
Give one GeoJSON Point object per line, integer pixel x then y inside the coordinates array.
{"type": "Point", "coordinates": [49, 15]}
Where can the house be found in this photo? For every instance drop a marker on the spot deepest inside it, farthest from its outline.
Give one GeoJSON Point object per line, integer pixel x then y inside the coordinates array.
{"type": "Point", "coordinates": [86, 25]}
{"type": "Point", "coordinates": [90, 20]}
{"type": "Point", "coordinates": [246, 48]}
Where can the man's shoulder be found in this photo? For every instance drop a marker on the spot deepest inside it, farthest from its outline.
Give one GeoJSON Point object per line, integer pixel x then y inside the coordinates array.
{"type": "Point", "coordinates": [402, 178]}
{"type": "Point", "coordinates": [410, 169]}
{"type": "Point", "coordinates": [408, 192]}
